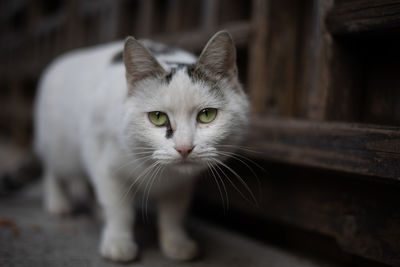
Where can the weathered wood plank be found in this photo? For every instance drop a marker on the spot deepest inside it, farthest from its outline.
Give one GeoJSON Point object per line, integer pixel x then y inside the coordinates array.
{"type": "Point", "coordinates": [195, 40]}
{"type": "Point", "coordinates": [354, 148]}
{"type": "Point", "coordinates": [191, 40]}
{"type": "Point", "coordinates": [364, 16]}
{"type": "Point", "coordinates": [362, 215]}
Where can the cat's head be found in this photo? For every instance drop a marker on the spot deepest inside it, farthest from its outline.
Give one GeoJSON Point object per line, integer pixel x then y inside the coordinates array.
{"type": "Point", "coordinates": [185, 117]}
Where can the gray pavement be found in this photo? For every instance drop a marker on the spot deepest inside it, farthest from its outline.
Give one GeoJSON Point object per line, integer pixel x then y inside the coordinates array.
{"type": "Point", "coordinates": [30, 237]}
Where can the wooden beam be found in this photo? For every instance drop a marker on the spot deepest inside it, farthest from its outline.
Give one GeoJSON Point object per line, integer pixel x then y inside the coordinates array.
{"type": "Point", "coordinates": [364, 16]}
{"type": "Point", "coordinates": [349, 147]}
{"type": "Point", "coordinates": [195, 40]}
{"type": "Point", "coordinates": [192, 41]}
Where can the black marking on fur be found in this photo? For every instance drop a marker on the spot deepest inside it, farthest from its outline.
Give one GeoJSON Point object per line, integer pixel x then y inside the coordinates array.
{"type": "Point", "coordinates": [168, 77]}
{"type": "Point", "coordinates": [196, 75]}
{"type": "Point", "coordinates": [117, 58]}
{"type": "Point", "coordinates": [170, 132]}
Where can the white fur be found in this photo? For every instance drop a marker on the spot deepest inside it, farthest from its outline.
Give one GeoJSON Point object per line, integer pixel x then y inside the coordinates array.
{"type": "Point", "coordinates": [87, 125]}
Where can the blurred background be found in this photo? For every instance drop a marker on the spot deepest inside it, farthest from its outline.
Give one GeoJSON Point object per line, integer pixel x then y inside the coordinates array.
{"type": "Point", "coordinates": [323, 79]}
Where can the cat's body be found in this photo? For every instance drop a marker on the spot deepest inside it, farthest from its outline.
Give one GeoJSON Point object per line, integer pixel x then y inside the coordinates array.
{"type": "Point", "coordinates": [92, 119]}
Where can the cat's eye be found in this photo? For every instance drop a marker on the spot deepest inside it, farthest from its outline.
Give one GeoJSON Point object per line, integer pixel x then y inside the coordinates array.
{"type": "Point", "coordinates": [207, 115]}
{"type": "Point", "coordinates": [158, 118]}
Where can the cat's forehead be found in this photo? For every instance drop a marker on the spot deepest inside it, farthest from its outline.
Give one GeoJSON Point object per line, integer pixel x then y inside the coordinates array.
{"type": "Point", "coordinates": [182, 93]}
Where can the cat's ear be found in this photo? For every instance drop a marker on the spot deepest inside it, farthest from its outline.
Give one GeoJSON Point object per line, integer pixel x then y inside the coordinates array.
{"type": "Point", "coordinates": [139, 62]}
{"type": "Point", "coordinates": [219, 56]}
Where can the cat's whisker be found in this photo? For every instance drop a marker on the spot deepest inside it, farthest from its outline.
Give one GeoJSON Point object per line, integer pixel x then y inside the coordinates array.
{"type": "Point", "coordinates": [141, 153]}
{"type": "Point", "coordinates": [140, 162]}
{"type": "Point", "coordinates": [240, 180]}
{"type": "Point", "coordinates": [129, 163]}
{"type": "Point", "coordinates": [133, 156]}
{"type": "Point", "coordinates": [244, 158]}
{"type": "Point", "coordinates": [137, 156]}
{"type": "Point", "coordinates": [223, 186]}
{"type": "Point", "coordinates": [132, 170]}
{"type": "Point", "coordinates": [143, 147]}
{"type": "Point", "coordinates": [148, 172]}
{"type": "Point", "coordinates": [237, 157]}
{"type": "Point", "coordinates": [136, 151]}
{"type": "Point", "coordinates": [143, 173]}
{"type": "Point", "coordinates": [233, 184]}
{"type": "Point", "coordinates": [153, 181]}
{"type": "Point", "coordinates": [216, 181]}
{"type": "Point", "coordinates": [248, 149]}
{"type": "Point", "coordinates": [149, 177]}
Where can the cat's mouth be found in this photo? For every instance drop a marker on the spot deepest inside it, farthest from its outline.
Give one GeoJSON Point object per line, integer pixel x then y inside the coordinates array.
{"type": "Point", "coordinates": [187, 162]}
{"type": "Point", "coordinates": [187, 166]}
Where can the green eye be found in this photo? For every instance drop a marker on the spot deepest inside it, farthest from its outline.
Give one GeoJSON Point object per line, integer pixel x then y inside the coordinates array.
{"type": "Point", "coordinates": [207, 115]}
{"type": "Point", "coordinates": [158, 118]}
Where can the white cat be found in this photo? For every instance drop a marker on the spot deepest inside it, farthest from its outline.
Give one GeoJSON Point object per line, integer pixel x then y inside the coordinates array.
{"type": "Point", "coordinates": [147, 124]}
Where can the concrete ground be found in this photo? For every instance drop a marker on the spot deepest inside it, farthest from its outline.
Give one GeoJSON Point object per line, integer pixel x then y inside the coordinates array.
{"type": "Point", "coordinates": [30, 237]}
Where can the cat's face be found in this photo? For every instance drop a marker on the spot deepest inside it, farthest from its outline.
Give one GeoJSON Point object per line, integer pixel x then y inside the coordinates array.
{"type": "Point", "coordinates": [188, 118]}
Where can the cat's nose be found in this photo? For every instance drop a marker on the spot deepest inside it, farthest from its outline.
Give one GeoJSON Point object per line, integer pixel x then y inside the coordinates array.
{"type": "Point", "coordinates": [184, 150]}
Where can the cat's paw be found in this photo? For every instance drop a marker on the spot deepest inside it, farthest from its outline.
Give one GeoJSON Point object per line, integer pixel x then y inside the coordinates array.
{"type": "Point", "coordinates": [179, 248]}
{"type": "Point", "coordinates": [118, 249]}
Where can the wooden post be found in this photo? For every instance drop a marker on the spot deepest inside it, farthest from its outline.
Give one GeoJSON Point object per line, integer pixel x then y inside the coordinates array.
{"type": "Point", "coordinates": [144, 23]}
{"type": "Point", "coordinates": [313, 89]}
{"type": "Point", "coordinates": [108, 20]}
{"type": "Point", "coordinates": [209, 16]}
{"type": "Point", "coordinates": [257, 55]}
{"type": "Point", "coordinates": [173, 23]}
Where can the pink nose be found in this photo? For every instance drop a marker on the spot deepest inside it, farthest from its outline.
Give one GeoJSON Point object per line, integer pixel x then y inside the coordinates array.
{"type": "Point", "coordinates": [184, 150]}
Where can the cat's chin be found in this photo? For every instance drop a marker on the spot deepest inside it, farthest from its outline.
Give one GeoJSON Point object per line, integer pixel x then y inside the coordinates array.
{"type": "Point", "coordinates": [187, 166]}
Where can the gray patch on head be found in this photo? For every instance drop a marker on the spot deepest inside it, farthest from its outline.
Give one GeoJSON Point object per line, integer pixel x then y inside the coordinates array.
{"type": "Point", "coordinates": [175, 66]}
{"type": "Point", "coordinates": [197, 75]}
{"type": "Point", "coordinates": [213, 81]}
{"type": "Point", "coordinates": [168, 77]}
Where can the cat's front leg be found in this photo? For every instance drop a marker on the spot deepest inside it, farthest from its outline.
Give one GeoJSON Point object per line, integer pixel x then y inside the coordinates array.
{"type": "Point", "coordinates": [117, 242]}
{"type": "Point", "coordinates": [174, 241]}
